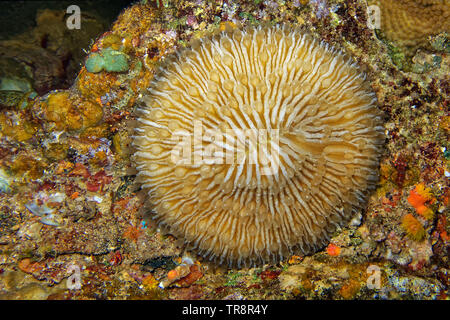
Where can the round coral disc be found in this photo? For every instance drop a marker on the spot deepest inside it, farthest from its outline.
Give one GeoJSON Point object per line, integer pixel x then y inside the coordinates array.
{"type": "Point", "coordinates": [255, 144]}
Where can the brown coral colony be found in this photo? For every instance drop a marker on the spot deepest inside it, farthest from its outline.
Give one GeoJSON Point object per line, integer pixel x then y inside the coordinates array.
{"type": "Point", "coordinates": [283, 139]}
{"type": "Point", "coordinates": [410, 22]}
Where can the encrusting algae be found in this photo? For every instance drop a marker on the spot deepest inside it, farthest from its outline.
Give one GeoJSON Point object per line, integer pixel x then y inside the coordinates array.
{"type": "Point", "coordinates": [318, 158]}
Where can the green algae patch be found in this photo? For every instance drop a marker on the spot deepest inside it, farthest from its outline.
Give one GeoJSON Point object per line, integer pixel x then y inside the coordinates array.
{"type": "Point", "coordinates": [109, 60]}
{"type": "Point", "coordinates": [95, 63]}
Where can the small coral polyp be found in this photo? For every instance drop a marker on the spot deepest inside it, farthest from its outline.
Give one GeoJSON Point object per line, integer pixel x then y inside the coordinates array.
{"type": "Point", "coordinates": [257, 200]}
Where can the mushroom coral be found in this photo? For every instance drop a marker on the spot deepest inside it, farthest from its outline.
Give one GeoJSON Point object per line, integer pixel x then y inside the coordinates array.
{"type": "Point", "coordinates": [257, 143]}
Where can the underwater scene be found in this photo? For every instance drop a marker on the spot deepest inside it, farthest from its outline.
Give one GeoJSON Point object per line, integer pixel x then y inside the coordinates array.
{"type": "Point", "coordinates": [225, 150]}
